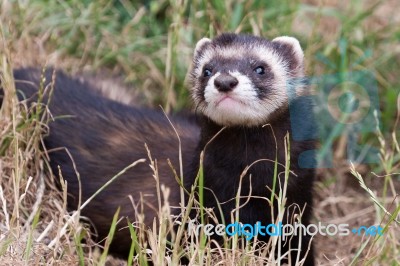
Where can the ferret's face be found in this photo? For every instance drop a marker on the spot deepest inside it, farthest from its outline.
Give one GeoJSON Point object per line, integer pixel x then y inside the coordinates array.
{"type": "Point", "coordinates": [241, 79]}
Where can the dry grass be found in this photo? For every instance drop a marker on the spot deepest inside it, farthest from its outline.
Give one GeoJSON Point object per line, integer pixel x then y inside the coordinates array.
{"type": "Point", "coordinates": [32, 208]}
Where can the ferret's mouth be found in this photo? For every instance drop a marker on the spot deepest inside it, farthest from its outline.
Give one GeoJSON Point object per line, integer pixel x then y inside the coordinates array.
{"type": "Point", "coordinates": [228, 100]}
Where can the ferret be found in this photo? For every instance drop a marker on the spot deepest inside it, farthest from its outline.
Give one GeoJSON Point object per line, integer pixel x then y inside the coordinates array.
{"type": "Point", "coordinates": [239, 85]}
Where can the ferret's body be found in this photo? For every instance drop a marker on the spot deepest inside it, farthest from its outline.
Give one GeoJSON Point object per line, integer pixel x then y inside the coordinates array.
{"type": "Point", "coordinates": [238, 82]}
{"type": "Point", "coordinates": [103, 137]}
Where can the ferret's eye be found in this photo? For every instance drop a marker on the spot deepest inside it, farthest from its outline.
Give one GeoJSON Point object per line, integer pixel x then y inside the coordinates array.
{"type": "Point", "coordinates": [207, 72]}
{"type": "Point", "coordinates": [260, 70]}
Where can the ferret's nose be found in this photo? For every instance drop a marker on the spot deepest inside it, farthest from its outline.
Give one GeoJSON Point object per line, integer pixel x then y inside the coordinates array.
{"type": "Point", "coordinates": [225, 82]}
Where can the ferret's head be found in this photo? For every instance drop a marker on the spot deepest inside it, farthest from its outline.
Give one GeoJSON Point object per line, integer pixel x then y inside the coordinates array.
{"type": "Point", "coordinates": [241, 80]}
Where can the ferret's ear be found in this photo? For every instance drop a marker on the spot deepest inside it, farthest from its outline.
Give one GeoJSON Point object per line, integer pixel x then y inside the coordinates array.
{"type": "Point", "coordinates": [201, 45]}
{"type": "Point", "coordinates": [290, 48]}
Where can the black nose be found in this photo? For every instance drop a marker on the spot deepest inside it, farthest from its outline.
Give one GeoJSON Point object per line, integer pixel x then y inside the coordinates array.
{"type": "Point", "coordinates": [225, 82]}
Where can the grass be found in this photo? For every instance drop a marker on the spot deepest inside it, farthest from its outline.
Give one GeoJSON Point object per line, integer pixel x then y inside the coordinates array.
{"type": "Point", "coordinates": [149, 46]}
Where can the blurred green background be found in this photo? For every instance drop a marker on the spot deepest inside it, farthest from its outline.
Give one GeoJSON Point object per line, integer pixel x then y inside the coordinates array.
{"type": "Point", "coordinates": [150, 43]}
